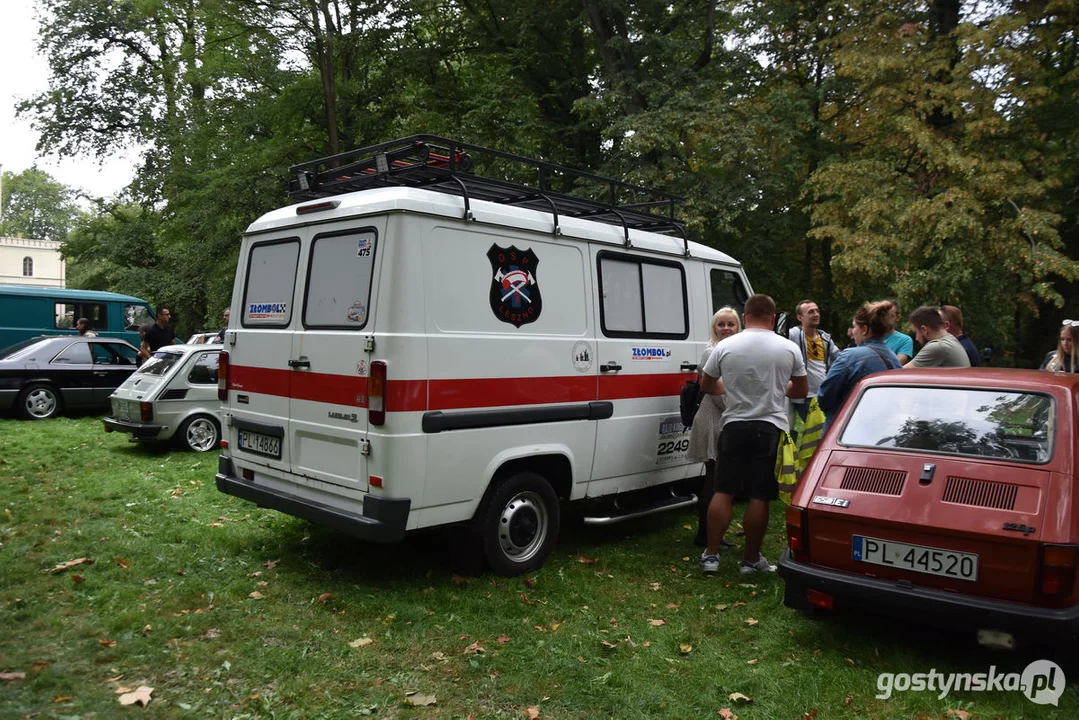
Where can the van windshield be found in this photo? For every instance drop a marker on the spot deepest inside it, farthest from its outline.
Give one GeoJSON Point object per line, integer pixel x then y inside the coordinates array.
{"type": "Point", "coordinates": [999, 424]}
{"type": "Point", "coordinates": [160, 363]}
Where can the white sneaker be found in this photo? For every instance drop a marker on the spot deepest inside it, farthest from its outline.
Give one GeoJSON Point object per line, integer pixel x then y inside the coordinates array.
{"type": "Point", "coordinates": [762, 565]}
{"type": "Point", "coordinates": [709, 563]}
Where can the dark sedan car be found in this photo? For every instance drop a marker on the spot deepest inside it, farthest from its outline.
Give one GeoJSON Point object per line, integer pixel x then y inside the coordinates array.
{"type": "Point", "coordinates": [44, 376]}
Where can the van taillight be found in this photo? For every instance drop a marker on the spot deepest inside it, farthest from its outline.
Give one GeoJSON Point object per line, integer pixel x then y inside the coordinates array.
{"type": "Point", "coordinates": [146, 411]}
{"type": "Point", "coordinates": [376, 393]}
{"type": "Point", "coordinates": [223, 376]}
{"type": "Point", "coordinates": [1058, 565]}
{"type": "Point", "coordinates": [797, 532]}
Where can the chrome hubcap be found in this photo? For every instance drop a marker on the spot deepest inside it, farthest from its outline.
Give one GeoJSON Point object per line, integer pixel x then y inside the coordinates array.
{"type": "Point", "coordinates": [40, 403]}
{"type": "Point", "coordinates": [201, 435]}
{"type": "Point", "coordinates": [523, 526]}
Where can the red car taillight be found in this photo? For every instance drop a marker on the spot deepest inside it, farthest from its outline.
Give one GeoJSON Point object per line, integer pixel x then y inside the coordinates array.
{"type": "Point", "coordinates": [1058, 566]}
{"type": "Point", "coordinates": [146, 411]}
{"type": "Point", "coordinates": [223, 376]}
{"type": "Point", "coordinates": [797, 532]}
{"type": "Point", "coordinates": [376, 394]}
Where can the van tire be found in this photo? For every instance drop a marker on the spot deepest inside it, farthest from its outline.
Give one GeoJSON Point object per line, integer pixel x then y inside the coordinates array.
{"type": "Point", "coordinates": [199, 433]}
{"type": "Point", "coordinates": [40, 402]}
{"type": "Point", "coordinates": [519, 524]}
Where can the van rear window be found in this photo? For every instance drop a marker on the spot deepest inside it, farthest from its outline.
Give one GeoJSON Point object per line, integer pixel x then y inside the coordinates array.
{"type": "Point", "coordinates": [271, 282]}
{"type": "Point", "coordinates": [997, 424]}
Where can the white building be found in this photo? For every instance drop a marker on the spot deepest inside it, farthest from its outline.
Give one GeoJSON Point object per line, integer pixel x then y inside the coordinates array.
{"type": "Point", "coordinates": [25, 261]}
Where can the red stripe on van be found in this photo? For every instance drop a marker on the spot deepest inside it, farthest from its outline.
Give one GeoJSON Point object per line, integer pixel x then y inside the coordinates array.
{"type": "Point", "coordinates": [420, 395]}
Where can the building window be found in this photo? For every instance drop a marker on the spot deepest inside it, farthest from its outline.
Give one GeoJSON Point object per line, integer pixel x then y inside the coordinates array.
{"type": "Point", "coordinates": [28, 267]}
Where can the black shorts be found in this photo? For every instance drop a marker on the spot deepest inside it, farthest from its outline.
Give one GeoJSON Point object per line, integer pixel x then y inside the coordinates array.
{"type": "Point", "coordinates": [747, 460]}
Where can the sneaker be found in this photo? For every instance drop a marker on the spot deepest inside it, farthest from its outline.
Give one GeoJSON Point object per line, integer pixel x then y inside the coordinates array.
{"type": "Point", "coordinates": [709, 563]}
{"type": "Point", "coordinates": [748, 568]}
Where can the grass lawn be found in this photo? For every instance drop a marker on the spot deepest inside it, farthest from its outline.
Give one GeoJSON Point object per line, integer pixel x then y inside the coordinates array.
{"type": "Point", "coordinates": [230, 611]}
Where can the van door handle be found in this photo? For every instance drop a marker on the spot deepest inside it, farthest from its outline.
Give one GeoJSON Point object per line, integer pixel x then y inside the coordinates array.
{"type": "Point", "coordinates": [610, 367]}
{"type": "Point", "coordinates": [299, 363]}
{"type": "Point", "coordinates": [687, 367]}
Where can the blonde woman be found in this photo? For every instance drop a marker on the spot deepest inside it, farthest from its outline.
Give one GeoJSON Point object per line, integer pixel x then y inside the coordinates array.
{"type": "Point", "coordinates": [704, 436]}
{"type": "Point", "coordinates": [1063, 359]}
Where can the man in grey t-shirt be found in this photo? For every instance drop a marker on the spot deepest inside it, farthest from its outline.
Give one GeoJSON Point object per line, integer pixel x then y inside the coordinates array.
{"type": "Point", "coordinates": [760, 370]}
{"type": "Point", "coordinates": [939, 347]}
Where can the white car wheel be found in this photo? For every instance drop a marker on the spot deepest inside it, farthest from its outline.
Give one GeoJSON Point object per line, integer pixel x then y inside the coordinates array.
{"type": "Point", "coordinates": [200, 433]}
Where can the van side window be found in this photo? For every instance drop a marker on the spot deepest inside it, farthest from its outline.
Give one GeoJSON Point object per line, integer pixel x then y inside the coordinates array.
{"type": "Point", "coordinates": [67, 314]}
{"type": "Point", "coordinates": [204, 371]}
{"type": "Point", "coordinates": [641, 297]}
{"type": "Point", "coordinates": [339, 280]}
{"type": "Point", "coordinates": [727, 290]}
{"type": "Point", "coordinates": [271, 284]}
{"type": "Point", "coordinates": [136, 315]}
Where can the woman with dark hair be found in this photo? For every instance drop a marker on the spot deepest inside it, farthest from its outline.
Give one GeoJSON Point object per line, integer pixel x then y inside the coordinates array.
{"type": "Point", "coordinates": [872, 323]}
{"type": "Point", "coordinates": [1063, 358]}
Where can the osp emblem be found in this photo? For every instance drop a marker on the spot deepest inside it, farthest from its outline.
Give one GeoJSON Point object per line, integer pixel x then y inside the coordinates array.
{"type": "Point", "coordinates": [515, 292]}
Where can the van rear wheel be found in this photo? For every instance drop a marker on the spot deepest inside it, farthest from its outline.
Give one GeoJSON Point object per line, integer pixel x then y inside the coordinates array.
{"type": "Point", "coordinates": [519, 525]}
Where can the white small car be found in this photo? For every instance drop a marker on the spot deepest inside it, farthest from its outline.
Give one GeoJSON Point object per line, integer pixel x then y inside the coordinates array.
{"type": "Point", "coordinates": [172, 396]}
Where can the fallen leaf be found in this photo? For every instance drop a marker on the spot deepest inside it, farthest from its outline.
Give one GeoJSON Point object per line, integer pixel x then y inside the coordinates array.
{"type": "Point", "coordinates": [726, 714]}
{"type": "Point", "coordinates": [216, 525]}
{"type": "Point", "coordinates": [587, 561]}
{"type": "Point", "coordinates": [646, 643]}
{"type": "Point", "coordinates": [739, 604]}
{"type": "Point", "coordinates": [459, 580]}
{"type": "Point", "coordinates": [554, 626]}
{"type": "Point", "coordinates": [532, 713]}
{"type": "Point", "coordinates": [746, 585]}
{"type": "Point", "coordinates": [416, 700]}
{"type": "Point", "coordinates": [255, 595]}
{"type": "Point", "coordinates": [847, 700]}
{"type": "Point", "coordinates": [722, 606]}
{"type": "Point", "coordinates": [211, 633]}
{"type": "Point", "coordinates": [106, 643]}
{"type": "Point", "coordinates": [271, 563]}
{"type": "Point", "coordinates": [672, 606]}
{"type": "Point", "coordinates": [503, 639]}
{"type": "Point", "coordinates": [961, 714]}
{"type": "Point", "coordinates": [361, 642]}
{"type": "Point", "coordinates": [655, 586]}
{"type": "Point", "coordinates": [439, 657]}
{"type": "Point", "coordinates": [657, 623]}
{"type": "Point", "coordinates": [261, 583]}
{"type": "Point", "coordinates": [72, 563]}
{"type": "Point", "coordinates": [474, 648]}
{"type": "Point", "coordinates": [324, 598]}
{"type": "Point", "coordinates": [685, 648]}
{"type": "Point", "coordinates": [78, 579]}
{"type": "Point", "coordinates": [525, 600]}
{"type": "Point", "coordinates": [12, 676]}
{"type": "Point", "coordinates": [125, 564]}
{"type": "Point", "coordinates": [751, 662]}
{"type": "Point", "coordinates": [530, 582]}
{"type": "Point", "coordinates": [141, 696]}
{"type": "Point", "coordinates": [146, 628]}
{"type": "Point", "coordinates": [607, 644]}
{"type": "Point", "coordinates": [40, 665]}
{"type": "Point", "coordinates": [739, 697]}
{"type": "Point", "coordinates": [61, 698]}
{"type": "Point", "coordinates": [752, 621]}
{"type": "Point", "coordinates": [849, 661]}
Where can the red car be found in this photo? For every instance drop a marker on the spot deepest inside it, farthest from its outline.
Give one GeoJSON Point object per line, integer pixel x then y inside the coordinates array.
{"type": "Point", "coordinates": [946, 497]}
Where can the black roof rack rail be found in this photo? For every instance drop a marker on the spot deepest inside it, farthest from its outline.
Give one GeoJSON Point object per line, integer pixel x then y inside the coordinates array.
{"type": "Point", "coordinates": [436, 163]}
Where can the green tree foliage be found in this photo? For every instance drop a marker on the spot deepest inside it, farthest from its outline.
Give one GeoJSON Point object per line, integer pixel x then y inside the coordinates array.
{"type": "Point", "coordinates": [36, 206]}
{"type": "Point", "coordinates": [843, 151]}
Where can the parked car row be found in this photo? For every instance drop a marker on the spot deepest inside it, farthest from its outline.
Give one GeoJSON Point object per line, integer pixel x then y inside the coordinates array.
{"type": "Point", "coordinates": [172, 396]}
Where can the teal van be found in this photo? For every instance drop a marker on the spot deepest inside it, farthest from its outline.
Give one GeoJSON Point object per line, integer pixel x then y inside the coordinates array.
{"type": "Point", "coordinates": [26, 312]}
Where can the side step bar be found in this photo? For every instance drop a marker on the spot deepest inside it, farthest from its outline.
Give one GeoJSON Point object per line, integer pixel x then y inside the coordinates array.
{"type": "Point", "coordinates": [618, 513]}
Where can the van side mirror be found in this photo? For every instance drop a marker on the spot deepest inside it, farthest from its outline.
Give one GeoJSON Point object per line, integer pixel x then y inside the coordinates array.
{"type": "Point", "coordinates": [781, 324]}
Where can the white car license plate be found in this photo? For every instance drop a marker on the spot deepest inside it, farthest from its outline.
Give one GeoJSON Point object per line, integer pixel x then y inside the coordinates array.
{"type": "Point", "coordinates": [259, 443]}
{"type": "Point", "coordinates": [917, 558]}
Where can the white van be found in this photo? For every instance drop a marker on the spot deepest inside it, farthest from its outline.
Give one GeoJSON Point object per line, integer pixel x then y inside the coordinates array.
{"type": "Point", "coordinates": [418, 345]}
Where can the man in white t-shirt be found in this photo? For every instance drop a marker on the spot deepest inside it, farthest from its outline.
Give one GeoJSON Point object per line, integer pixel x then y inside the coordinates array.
{"type": "Point", "coordinates": [760, 371]}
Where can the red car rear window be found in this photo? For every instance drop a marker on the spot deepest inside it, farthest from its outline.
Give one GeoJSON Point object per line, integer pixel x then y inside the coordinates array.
{"type": "Point", "coordinates": [996, 424]}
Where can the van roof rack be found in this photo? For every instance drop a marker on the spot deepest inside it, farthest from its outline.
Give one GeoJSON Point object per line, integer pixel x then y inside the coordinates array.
{"type": "Point", "coordinates": [436, 163]}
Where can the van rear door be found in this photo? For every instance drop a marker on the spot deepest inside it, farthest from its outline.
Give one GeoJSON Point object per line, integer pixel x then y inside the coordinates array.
{"type": "Point", "coordinates": [329, 359]}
